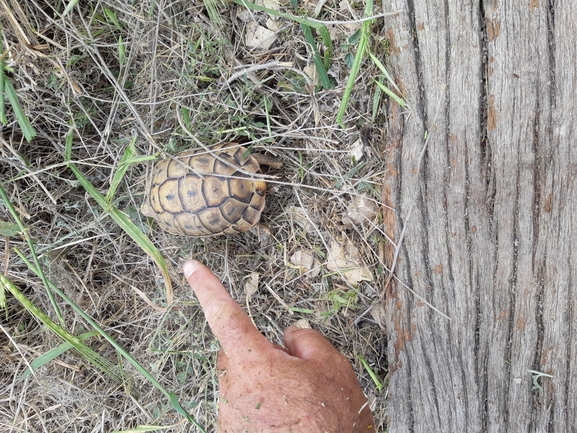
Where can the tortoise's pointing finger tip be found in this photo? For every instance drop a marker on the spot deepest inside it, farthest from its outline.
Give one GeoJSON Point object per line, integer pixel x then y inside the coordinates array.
{"type": "Point", "coordinates": [190, 267]}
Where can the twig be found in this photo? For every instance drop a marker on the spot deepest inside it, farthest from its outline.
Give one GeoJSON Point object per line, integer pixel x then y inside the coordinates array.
{"type": "Point", "coordinates": [360, 20]}
{"type": "Point", "coordinates": [273, 66]}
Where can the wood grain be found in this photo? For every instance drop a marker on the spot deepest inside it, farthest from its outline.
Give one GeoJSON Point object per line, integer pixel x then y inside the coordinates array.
{"type": "Point", "coordinates": [484, 220]}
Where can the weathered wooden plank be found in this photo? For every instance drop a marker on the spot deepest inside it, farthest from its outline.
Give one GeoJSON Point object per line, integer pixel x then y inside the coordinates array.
{"type": "Point", "coordinates": [483, 221]}
{"type": "Point", "coordinates": [555, 252]}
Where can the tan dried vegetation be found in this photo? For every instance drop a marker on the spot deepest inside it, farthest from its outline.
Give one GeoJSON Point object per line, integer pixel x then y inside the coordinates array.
{"type": "Point", "coordinates": [167, 76]}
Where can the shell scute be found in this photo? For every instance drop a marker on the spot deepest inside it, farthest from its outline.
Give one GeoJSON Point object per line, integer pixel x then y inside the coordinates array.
{"type": "Point", "coordinates": [168, 197]}
{"type": "Point", "coordinates": [191, 197]}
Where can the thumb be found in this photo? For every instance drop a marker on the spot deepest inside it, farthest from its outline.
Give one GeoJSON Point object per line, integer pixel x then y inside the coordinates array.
{"type": "Point", "coordinates": [308, 344]}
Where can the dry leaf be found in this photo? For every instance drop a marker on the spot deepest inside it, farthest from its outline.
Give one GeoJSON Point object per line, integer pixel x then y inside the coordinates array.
{"type": "Point", "coordinates": [299, 216]}
{"type": "Point", "coordinates": [258, 36]}
{"type": "Point", "coordinates": [262, 231]}
{"type": "Point", "coordinates": [357, 150]}
{"type": "Point", "coordinates": [306, 262]}
{"type": "Point", "coordinates": [379, 314]}
{"type": "Point", "coordinates": [346, 10]}
{"type": "Point", "coordinates": [270, 4]}
{"type": "Point", "coordinates": [245, 15]}
{"type": "Point", "coordinates": [251, 285]}
{"type": "Point", "coordinates": [311, 72]}
{"type": "Point", "coordinates": [302, 324]}
{"type": "Point", "coordinates": [273, 24]}
{"type": "Point", "coordinates": [346, 259]}
{"type": "Point", "coordinates": [361, 211]}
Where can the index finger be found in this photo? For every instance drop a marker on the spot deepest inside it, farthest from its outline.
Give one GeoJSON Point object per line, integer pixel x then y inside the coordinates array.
{"type": "Point", "coordinates": [228, 321]}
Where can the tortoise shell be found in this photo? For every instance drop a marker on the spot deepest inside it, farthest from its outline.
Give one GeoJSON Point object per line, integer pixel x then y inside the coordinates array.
{"type": "Point", "coordinates": [197, 193]}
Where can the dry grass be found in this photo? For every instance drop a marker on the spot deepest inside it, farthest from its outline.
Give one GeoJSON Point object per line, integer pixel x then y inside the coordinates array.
{"type": "Point", "coordinates": [110, 70]}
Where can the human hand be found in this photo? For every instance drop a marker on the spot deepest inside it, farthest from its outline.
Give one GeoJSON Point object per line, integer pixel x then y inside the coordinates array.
{"type": "Point", "coordinates": [307, 387]}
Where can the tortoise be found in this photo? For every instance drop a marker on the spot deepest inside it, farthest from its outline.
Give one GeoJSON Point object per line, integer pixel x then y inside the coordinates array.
{"type": "Point", "coordinates": [197, 193]}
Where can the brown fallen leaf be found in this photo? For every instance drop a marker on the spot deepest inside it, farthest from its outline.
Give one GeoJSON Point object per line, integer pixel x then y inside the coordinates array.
{"type": "Point", "coordinates": [345, 259]}
{"type": "Point", "coordinates": [251, 285]}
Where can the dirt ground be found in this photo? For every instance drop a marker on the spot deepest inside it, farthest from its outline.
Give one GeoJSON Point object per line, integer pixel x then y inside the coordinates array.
{"type": "Point", "coordinates": [169, 76]}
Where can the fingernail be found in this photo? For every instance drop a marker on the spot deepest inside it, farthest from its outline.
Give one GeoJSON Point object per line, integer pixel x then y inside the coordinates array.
{"type": "Point", "coordinates": [189, 268]}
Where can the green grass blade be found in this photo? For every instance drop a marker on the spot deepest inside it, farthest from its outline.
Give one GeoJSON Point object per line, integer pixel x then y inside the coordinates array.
{"type": "Point", "coordinates": [176, 404]}
{"type": "Point", "coordinates": [3, 118]}
{"type": "Point", "coordinates": [377, 100]}
{"type": "Point", "coordinates": [23, 122]}
{"type": "Point", "coordinates": [68, 145]}
{"type": "Point", "coordinates": [52, 354]}
{"type": "Point", "coordinates": [391, 94]}
{"type": "Point", "coordinates": [129, 227]}
{"type": "Point", "coordinates": [185, 111]}
{"type": "Point", "coordinates": [121, 52]}
{"type": "Point", "coordinates": [3, 298]}
{"type": "Point", "coordinates": [146, 429]}
{"type": "Point", "coordinates": [140, 159]}
{"type": "Point", "coordinates": [111, 15]}
{"type": "Point", "coordinates": [97, 360]}
{"type": "Point", "coordinates": [359, 56]}
{"type": "Point", "coordinates": [326, 37]}
{"type": "Point", "coordinates": [24, 232]}
{"type": "Point", "coordinates": [268, 105]}
{"type": "Point", "coordinates": [273, 12]}
{"type": "Point", "coordinates": [319, 64]}
{"type": "Point", "coordinates": [212, 9]}
{"type": "Point", "coordinates": [8, 229]}
{"type": "Point", "coordinates": [125, 161]}
{"type": "Point", "coordinates": [119, 348]}
{"type": "Point", "coordinates": [69, 7]}
{"type": "Point", "coordinates": [379, 65]}
{"type": "Point", "coordinates": [373, 375]}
